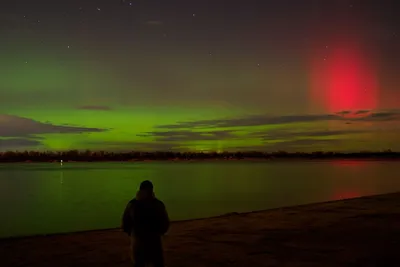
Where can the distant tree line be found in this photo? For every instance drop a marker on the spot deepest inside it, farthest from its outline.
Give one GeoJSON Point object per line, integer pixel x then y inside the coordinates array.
{"type": "Point", "coordinates": [94, 156]}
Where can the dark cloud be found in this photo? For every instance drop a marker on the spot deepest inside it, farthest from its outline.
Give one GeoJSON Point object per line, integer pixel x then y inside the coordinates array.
{"type": "Point", "coordinates": [283, 135]}
{"type": "Point", "coordinates": [344, 112]}
{"type": "Point", "coordinates": [292, 145]}
{"type": "Point", "coordinates": [182, 136]}
{"type": "Point", "coordinates": [16, 143]}
{"type": "Point", "coordinates": [383, 116]}
{"type": "Point", "coordinates": [362, 112]}
{"type": "Point", "coordinates": [14, 126]}
{"type": "Point", "coordinates": [287, 134]}
{"type": "Point", "coordinates": [105, 108]}
{"type": "Point", "coordinates": [138, 146]}
{"type": "Point", "coordinates": [303, 144]}
{"type": "Point", "coordinates": [254, 120]}
{"type": "Point", "coordinates": [260, 120]}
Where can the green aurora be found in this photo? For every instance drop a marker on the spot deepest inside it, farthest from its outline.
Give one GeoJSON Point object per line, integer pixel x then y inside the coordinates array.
{"type": "Point", "coordinates": [117, 80]}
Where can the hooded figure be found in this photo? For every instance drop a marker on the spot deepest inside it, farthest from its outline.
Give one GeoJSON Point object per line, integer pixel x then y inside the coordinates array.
{"type": "Point", "coordinates": [145, 220]}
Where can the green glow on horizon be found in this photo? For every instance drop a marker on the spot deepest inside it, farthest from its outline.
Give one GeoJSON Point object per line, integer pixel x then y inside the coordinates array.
{"type": "Point", "coordinates": [126, 126]}
{"type": "Point", "coordinates": [150, 90]}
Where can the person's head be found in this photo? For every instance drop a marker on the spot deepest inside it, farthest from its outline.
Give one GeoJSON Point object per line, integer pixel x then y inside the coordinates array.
{"type": "Point", "coordinates": [146, 186]}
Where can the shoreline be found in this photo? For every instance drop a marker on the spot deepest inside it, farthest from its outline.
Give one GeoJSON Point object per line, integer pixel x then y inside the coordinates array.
{"type": "Point", "coordinates": [367, 159]}
{"type": "Point", "coordinates": [363, 231]}
{"type": "Point", "coordinates": [283, 208]}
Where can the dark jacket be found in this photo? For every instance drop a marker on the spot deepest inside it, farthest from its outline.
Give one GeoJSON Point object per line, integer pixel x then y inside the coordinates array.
{"type": "Point", "coordinates": [145, 216]}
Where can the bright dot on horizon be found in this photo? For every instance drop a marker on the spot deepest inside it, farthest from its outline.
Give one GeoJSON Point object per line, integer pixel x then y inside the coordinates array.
{"type": "Point", "coordinates": [98, 9]}
{"type": "Point", "coordinates": [194, 14]}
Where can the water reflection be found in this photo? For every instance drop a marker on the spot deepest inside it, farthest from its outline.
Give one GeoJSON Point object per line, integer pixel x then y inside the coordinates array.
{"type": "Point", "coordinates": [346, 195]}
{"type": "Point", "coordinates": [354, 163]}
{"type": "Point", "coordinates": [355, 178]}
{"type": "Point", "coordinates": [61, 185]}
{"type": "Point", "coordinates": [61, 175]}
{"type": "Point", "coordinates": [71, 197]}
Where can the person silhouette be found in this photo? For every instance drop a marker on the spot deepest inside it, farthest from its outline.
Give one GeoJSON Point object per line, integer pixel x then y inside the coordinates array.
{"type": "Point", "coordinates": [145, 220]}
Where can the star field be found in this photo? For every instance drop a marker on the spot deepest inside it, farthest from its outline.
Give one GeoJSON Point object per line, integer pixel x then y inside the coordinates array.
{"type": "Point", "coordinates": [122, 71]}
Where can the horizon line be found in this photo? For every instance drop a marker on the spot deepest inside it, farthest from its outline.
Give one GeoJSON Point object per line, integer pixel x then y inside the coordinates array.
{"type": "Point", "coordinates": [202, 152]}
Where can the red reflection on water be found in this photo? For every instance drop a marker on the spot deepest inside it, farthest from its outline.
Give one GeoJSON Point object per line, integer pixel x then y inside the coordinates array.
{"type": "Point", "coordinates": [345, 195]}
{"type": "Point", "coordinates": [343, 78]}
{"type": "Point", "coordinates": [348, 162]}
{"type": "Point", "coordinates": [348, 193]}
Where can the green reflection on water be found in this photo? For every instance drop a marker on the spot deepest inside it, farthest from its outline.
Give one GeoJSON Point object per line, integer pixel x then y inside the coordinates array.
{"type": "Point", "coordinates": [49, 198]}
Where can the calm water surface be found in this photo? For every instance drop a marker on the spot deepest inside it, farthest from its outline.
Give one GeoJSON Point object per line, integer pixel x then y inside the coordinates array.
{"type": "Point", "coordinates": [47, 198]}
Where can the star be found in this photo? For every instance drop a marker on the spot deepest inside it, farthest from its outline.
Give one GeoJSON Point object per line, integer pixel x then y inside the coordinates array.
{"type": "Point", "coordinates": [194, 14]}
{"type": "Point", "coordinates": [98, 9]}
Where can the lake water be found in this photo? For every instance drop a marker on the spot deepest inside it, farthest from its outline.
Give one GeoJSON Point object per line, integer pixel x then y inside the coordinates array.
{"type": "Point", "coordinates": [47, 198]}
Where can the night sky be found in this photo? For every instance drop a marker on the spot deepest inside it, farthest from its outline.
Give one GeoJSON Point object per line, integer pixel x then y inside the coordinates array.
{"type": "Point", "coordinates": [200, 75]}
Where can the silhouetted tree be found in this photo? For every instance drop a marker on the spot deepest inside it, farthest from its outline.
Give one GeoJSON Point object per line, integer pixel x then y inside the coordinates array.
{"type": "Point", "coordinates": [87, 155]}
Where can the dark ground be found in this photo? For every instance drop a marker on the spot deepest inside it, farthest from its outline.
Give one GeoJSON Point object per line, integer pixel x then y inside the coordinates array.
{"type": "Point", "coordinates": [358, 232]}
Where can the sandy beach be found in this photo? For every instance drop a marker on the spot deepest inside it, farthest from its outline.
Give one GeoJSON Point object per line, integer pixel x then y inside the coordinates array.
{"type": "Point", "coordinates": [354, 232]}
